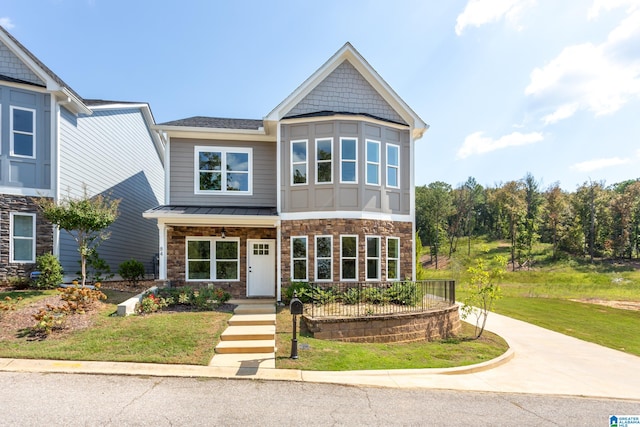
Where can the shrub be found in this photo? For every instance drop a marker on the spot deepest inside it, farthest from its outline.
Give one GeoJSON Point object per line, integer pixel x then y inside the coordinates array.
{"type": "Point", "coordinates": [50, 272]}
{"type": "Point", "coordinates": [79, 299]}
{"type": "Point", "coordinates": [48, 320]}
{"type": "Point", "coordinates": [19, 283]}
{"type": "Point", "coordinates": [200, 299]}
{"type": "Point", "coordinates": [9, 304]}
{"type": "Point", "coordinates": [301, 288]}
{"type": "Point", "coordinates": [321, 295]}
{"type": "Point", "coordinates": [150, 304]}
{"type": "Point", "coordinates": [403, 293]}
{"type": "Point", "coordinates": [351, 296]}
{"type": "Point", "coordinates": [97, 269]}
{"type": "Point", "coordinates": [374, 296]}
{"type": "Point", "coordinates": [131, 270]}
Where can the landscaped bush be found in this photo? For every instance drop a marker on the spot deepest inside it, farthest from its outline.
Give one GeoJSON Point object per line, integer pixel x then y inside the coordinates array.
{"type": "Point", "coordinates": [9, 304]}
{"type": "Point", "coordinates": [403, 293]}
{"type": "Point", "coordinates": [79, 299]}
{"type": "Point", "coordinates": [131, 270]}
{"type": "Point", "coordinates": [321, 295]}
{"type": "Point", "coordinates": [374, 296]}
{"type": "Point", "coordinates": [351, 296]}
{"type": "Point", "coordinates": [302, 289]}
{"type": "Point", "coordinates": [199, 299]}
{"type": "Point", "coordinates": [50, 272]}
{"type": "Point", "coordinates": [19, 283]}
{"type": "Point", "coordinates": [151, 303]}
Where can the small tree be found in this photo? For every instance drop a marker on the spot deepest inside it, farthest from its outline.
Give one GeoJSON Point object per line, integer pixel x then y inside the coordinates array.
{"type": "Point", "coordinates": [50, 272]}
{"type": "Point", "coordinates": [483, 290]}
{"type": "Point", "coordinates": [84, 219]}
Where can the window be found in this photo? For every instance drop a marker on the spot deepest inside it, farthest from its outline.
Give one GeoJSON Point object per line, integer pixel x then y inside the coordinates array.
{"type": "Point", "coordinates": [324, 162]}
{"type": "Point", "coordinates": [373, 162]}
{"type": "Point", "coordinates": [324, 249]}
{"type": "Point", "coordinates": [393, 165]}
{"type": "Point", "coordinates": [393, 258]}
{"type": "Point", "coordinates": [299, 162]}
{"type": "Point", "coordinates": [223, 170]}
{"type": "Point", "coordinates": [299, 258]}
{"type": "Point", "coordinates": [373, 258]}
{"type": "Point", "coordinates": [348, 257]}
{"type": "Point", "coordinates": [23, 242]}
{"type": "Point", "coordinates": [213, 259]}
{"type": "Point", "coordinates": [348, 160]}
{"type": "Point", "coordinates": [23, 132]}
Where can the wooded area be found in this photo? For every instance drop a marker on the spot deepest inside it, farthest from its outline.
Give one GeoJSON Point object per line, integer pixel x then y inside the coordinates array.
{"type": "Point", "coordinates": [594, 221]}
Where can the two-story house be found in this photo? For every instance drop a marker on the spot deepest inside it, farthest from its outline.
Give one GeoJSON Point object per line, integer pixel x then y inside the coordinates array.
{"type": "Point", "coordinates": [321, 189]}
{"type": "Point", "coordinates": [52, 143]}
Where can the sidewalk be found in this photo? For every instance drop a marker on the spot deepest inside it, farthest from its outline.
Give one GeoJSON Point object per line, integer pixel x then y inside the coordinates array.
{"type": "Point", "coordinates": [539, 361]}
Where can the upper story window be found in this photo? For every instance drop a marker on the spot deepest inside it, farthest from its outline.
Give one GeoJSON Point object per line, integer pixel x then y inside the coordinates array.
{"type": "Point", "coordinates": [23, 240]}
{"type": "Point", "coordinates": [299, 258]}
{"type": "Point", "coordinates": [373, 162]}
{"type": "Point", "coordinates": [324, 161]}
{"type": "Point", "coordinates": [393, 166]}
{"type": "Point", "coordinates": [23, 132]}
{"type": "Point", "coordinates": [223, 170]}
{"type": "Point", "coordinates": [348, 160]}
{"type": "Point", "coordinates": [299, 162]}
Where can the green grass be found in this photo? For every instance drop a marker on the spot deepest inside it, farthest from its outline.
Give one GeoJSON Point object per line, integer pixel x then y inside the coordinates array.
{"type": "Point", "coordinates": [169, 337]}
{"type": "Point", "coordinates": [323, 355]}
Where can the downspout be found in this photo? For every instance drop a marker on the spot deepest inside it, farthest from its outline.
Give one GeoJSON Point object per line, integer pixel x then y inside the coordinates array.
{"type": "Point", "coordinates": [412, 204]}
{"type": "Point", "coordinates": [55, 169]}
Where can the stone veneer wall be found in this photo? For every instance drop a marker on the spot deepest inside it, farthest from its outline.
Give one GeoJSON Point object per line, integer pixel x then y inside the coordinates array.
{"type": "Point", "coordinates": [429, 325]}
{"type": "Point", "coordinates": [44, 234]}
{"type": "Point", "coordinates": [338, 227]}
{"type": "Point", "coordinates": [176, 255]}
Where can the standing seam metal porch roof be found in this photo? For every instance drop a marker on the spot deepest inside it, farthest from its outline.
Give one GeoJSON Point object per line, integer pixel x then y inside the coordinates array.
{"type": "Point", "coordinates": [211, 210]}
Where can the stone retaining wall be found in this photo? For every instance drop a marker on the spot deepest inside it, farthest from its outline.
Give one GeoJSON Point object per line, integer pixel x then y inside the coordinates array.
{"type": "Point", "coordinates": [428, 325]}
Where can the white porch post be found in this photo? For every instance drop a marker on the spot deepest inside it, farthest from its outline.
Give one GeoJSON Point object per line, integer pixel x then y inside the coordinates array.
{"type": "Point", "coordinates": [162, 247]}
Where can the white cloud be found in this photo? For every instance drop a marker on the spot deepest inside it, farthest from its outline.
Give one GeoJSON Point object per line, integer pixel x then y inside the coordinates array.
{"type": "Point", "coordinates": [600, 78]}
{"type": "Point", "coordinates": [6, 23]}
{"type": "Point", "coordinates": [480, 12]}
{"type": "Point", "coordinates": [592, 165]}
{"type": "Point", "coordinates": [476, 143]}
{"type": "Point", "coordinates": [607, 5]}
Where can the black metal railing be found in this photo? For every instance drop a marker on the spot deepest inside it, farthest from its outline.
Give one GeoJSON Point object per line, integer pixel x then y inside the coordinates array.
{"type": "Point", "coordinates": [351, 299]}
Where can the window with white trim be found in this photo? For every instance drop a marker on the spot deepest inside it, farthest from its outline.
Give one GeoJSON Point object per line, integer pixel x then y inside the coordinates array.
{"type": "Point", "coordinates": [324, 161]}
{"type": "Point", "coordinates": [348, 257]}
{"type": "Point", "coordinates": [348, 160]}
{"type": "Point", "coordinates": [324, 251]}
{"type": "Point", "coordinates": [299, 258]}
{"type": "Point", "coordinates": [373, 162]}
{"type": "Point", "coordinates": [223, 170]}
{"type": "Point", "coordinates": [23, 237]}
{"type": "Point", "coordinates": [393, 165]}
{"type": "Point", "coordinates": [299, 162]}
{"type": "Point", "coordinates": [214, 259]}
{"type": "Point", "coordinates": [393, 258]}
{"type": "Point", "coordinates": [373, 258]}
{"type": "Point", "coordinates": [23, 132]}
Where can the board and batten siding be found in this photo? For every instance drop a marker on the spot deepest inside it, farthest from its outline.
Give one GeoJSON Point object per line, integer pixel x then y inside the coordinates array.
{"type": "Point", "coordinates": [182, 174]}
{"type": "Point", "coordinates": [337, 196]}
{"type": "Point", "coordinates": [112, 152]}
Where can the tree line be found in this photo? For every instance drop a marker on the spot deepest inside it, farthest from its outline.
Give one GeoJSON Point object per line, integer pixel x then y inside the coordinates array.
{"type": "Point", "coordinates": [593, 221]}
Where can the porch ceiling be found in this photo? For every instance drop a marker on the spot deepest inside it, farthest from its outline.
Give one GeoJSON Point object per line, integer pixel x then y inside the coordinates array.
{"type": "Point", "coordinates": [215, 215]}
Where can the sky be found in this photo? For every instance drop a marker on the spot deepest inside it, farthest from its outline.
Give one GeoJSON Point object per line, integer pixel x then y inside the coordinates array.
{"type": "Point", "coordinates": [508, 87]}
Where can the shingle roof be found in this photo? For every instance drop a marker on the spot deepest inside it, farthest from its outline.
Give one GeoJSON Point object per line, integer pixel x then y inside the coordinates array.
{"type": "Point", "coordinates": [99, 102]}
{"type": "Point", "coordinates": [215, 210]}
{"type": "Point", "coordinates": [14, 80]}
{"type": "Point", "coordinates": [326, 113]}
{"type": "Point", "coordinates": [217, 122]}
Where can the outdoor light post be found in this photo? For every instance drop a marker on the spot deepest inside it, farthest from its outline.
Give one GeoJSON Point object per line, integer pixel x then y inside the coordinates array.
{"type": "Point", "coordinates": [295, 307]}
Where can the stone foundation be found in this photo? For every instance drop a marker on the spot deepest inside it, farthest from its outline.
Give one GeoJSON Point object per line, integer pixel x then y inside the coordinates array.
{"type": "Point", "coordinates": [407, 327]}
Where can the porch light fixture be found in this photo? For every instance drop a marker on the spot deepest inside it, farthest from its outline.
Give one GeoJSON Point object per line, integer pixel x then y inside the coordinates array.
{"type": "Point", "coordinates": [224, 233]}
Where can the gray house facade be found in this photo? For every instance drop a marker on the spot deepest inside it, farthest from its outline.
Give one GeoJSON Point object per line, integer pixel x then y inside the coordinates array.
{"type": "Point", "coordinates": [321, 189]}
{"type": "Point", "coordinates": [52, 143]}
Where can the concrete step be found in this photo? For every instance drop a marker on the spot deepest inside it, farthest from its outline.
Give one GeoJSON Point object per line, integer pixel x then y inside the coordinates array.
{"type": "Point", "coordinates": [246, 333]}
{"type": "Point", "coordinates": [245, 360]}
{"type": "Point", "coordinates": [245, 301]}
{"type": "Point", "coordinates": [253, 346]}
{"type": "Point", "coordinates": [255, 309]}
{"type": "Point", "coordinates": [252, 319]}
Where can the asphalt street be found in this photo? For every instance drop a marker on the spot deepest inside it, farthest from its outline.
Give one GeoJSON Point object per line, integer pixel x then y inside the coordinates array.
{"type": "Point", "coordinates": [36, 399]}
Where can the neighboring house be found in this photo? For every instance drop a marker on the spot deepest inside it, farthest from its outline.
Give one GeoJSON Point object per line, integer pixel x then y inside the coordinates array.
{"type": "Point", "coordinates": [321, 189]}
{"type": "Point", "coordinates": [52, 141]}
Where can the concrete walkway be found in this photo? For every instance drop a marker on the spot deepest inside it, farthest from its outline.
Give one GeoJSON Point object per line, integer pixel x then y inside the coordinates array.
{"type": "Point", "coordinates": [539, 361]}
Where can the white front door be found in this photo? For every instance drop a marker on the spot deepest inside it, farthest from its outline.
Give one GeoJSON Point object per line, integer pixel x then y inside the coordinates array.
{"type": "Point", "coordinates": [261, 268]}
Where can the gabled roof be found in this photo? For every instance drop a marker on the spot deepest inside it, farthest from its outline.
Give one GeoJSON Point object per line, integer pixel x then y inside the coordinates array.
{"type": "Point", "coordinates": [350, 54]}
{"type": "Point", "coordinates": [52, 81]}
{"type": "Point", "coordinates": [216, 122]}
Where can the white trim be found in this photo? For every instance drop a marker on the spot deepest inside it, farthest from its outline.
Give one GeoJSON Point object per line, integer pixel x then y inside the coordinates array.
{"type": "Point", "coordinates": [367, 258]}
{"type": "Point", "coordinates": [279, 169]}
{"type": "Point", "coordinates": [278, 263]}
{"type": "Point", "coordinates": [315, 258]}
{"type": "Point", "coordinates": [30, 192]}
{"type": "Point", "coordinates": [306, 259]}
{"type": "Point", "coordinates": [292, 163]}
{"type": "Point", "coordinates": [347, 117]}
{"type": "Point", "coordinates": [367, 162]}
{"type": "Point", "coordinates": [224, 151]}
{"type": "Point", "coordinates": [162, 251]}
{"type": "Point", "coordinates": [356, 278]}
{"type": "Point", "coordinates": [317, 162]}
{"type": "Point", "coordinates": [292, 216]}
{"type": "Point", "coordinates": [396, 167]}
{"type": "Point", "coordinates": [397, 259]}
{"type": "Point", "coordinates": [212, 257]}
{"type": "Point", "coordinates": [342, 160]}
{"type": "Point", "coordinates": [412, 204]}
{"type": "Point", "coordinates": [219, 220]}
{"type": "Point", "coordinates": [167, 174]}
{"type": "Point", "coordinates": [55, 167]}
{"type": "Point", "coordinates": [12, 132]}
{"type": "Point", "coordinates": [12, 238]}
